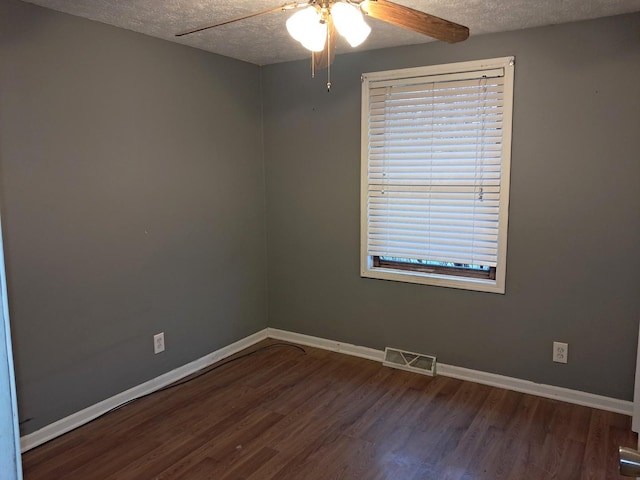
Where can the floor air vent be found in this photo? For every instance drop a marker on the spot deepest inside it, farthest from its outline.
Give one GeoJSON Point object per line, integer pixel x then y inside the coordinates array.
{"type": "Point", "coordinates": [413, 362]}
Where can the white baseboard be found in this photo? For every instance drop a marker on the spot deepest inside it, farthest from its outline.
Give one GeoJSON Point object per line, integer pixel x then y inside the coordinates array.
{"type": "Point", "coordinates": [540, 389]}
{"type": "Point", "coordinates": [77, 419]}
{"type": "Point", "coordinates": [518, 385]}
{"type": "Point", "coordinates": [340, 347]}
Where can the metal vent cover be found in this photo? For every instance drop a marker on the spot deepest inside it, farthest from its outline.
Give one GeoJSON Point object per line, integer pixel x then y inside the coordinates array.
{"type": "Point", "coordinates": [410, 361]}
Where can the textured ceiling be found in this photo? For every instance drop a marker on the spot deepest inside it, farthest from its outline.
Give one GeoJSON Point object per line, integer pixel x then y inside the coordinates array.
{"type": "Point", "coordinates": [264, 40]}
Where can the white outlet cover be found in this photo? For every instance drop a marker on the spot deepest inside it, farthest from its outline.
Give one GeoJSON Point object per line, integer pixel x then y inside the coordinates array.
{"type": "Point", "coordinates": [560, 352]}
{"type": "Point", "coordinates": [158, 342]}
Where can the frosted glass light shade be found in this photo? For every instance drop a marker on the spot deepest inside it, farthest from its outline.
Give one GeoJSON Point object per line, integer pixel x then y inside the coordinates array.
{"type": "Point", "coordinates": [350, 23]}
{"type": "Point", "coordinates": [305, 27]}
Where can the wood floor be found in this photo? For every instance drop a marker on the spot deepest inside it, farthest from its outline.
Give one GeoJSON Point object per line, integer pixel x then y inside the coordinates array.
{"type": "Point", "coordinates": [283, 414]}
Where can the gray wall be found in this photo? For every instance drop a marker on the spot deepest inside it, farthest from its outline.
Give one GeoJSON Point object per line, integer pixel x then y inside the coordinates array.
{"type": "Point", "coordinates": [132, 185]}
{"type": "Point", "coordinates": [132, 190]}
{"type": "Point", "coordinates": [574, 227]}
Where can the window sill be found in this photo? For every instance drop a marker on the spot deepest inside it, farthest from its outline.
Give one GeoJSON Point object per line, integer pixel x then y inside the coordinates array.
{"type": "Point", "coordinates": [449, 281]}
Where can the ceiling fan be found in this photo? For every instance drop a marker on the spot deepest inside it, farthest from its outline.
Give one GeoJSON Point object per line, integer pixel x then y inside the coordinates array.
{"type": "Point", "coordinates": [317, 22]}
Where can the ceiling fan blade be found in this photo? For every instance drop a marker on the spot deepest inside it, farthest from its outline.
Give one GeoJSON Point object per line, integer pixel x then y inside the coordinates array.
{"type": "Point", "coordinates": [415, 20]}
{"type": "Point", "coordinates": [325, 58]}
{"type": "Point", "coordinates": [286, 6]}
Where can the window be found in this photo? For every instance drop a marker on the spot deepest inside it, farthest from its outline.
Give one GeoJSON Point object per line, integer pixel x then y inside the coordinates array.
{"type": "Point", "coordinates": [436, 154]}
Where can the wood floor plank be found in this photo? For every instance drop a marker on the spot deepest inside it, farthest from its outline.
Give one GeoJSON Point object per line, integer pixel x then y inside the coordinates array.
{"type": "Point", "coordinates": [454, 464]}
{"type": "Point", "coordinates": [281, 414]}
{"type": "Point", "coordinates": [595, 455]}
{"type": "Point", "coordinates": [520, 447]}
{"type": "Point", "coordinates": [243, 469]}
{"type": "Point", "coordinates": [560, 453]}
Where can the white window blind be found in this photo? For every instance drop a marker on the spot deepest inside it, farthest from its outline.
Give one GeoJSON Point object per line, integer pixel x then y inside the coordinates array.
{"type": "Point", "coordinates": [434, 171]}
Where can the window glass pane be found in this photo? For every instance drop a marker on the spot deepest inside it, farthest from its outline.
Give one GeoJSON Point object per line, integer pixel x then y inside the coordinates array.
{"type": "Point", "coordinates": [416, 261]}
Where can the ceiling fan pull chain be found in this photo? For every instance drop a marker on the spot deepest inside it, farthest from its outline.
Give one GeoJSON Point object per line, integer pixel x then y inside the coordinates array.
{"type": "Point", "coordinates": [328, 60]}
{"type": "Point", "coordinates": [313, 64]}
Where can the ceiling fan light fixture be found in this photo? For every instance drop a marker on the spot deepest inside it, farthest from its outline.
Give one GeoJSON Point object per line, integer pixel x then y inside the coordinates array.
{"type": "Point", "coordinates": [306, 27]}
{"type": "Point", "coordinates": [350, 23]}
{"type": "Point", "coordinates": [315, 22]}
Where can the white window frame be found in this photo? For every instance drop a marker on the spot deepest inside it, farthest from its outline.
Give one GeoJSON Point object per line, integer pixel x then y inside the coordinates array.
{"type": "Point", "coordinates": [367, 268]}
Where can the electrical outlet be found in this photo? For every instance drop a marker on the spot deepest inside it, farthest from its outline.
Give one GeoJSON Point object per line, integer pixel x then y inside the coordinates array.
{"type": "Point", "coordinates": [560, 352]}
{"type": "Point", "coordinates": [158, 342]}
